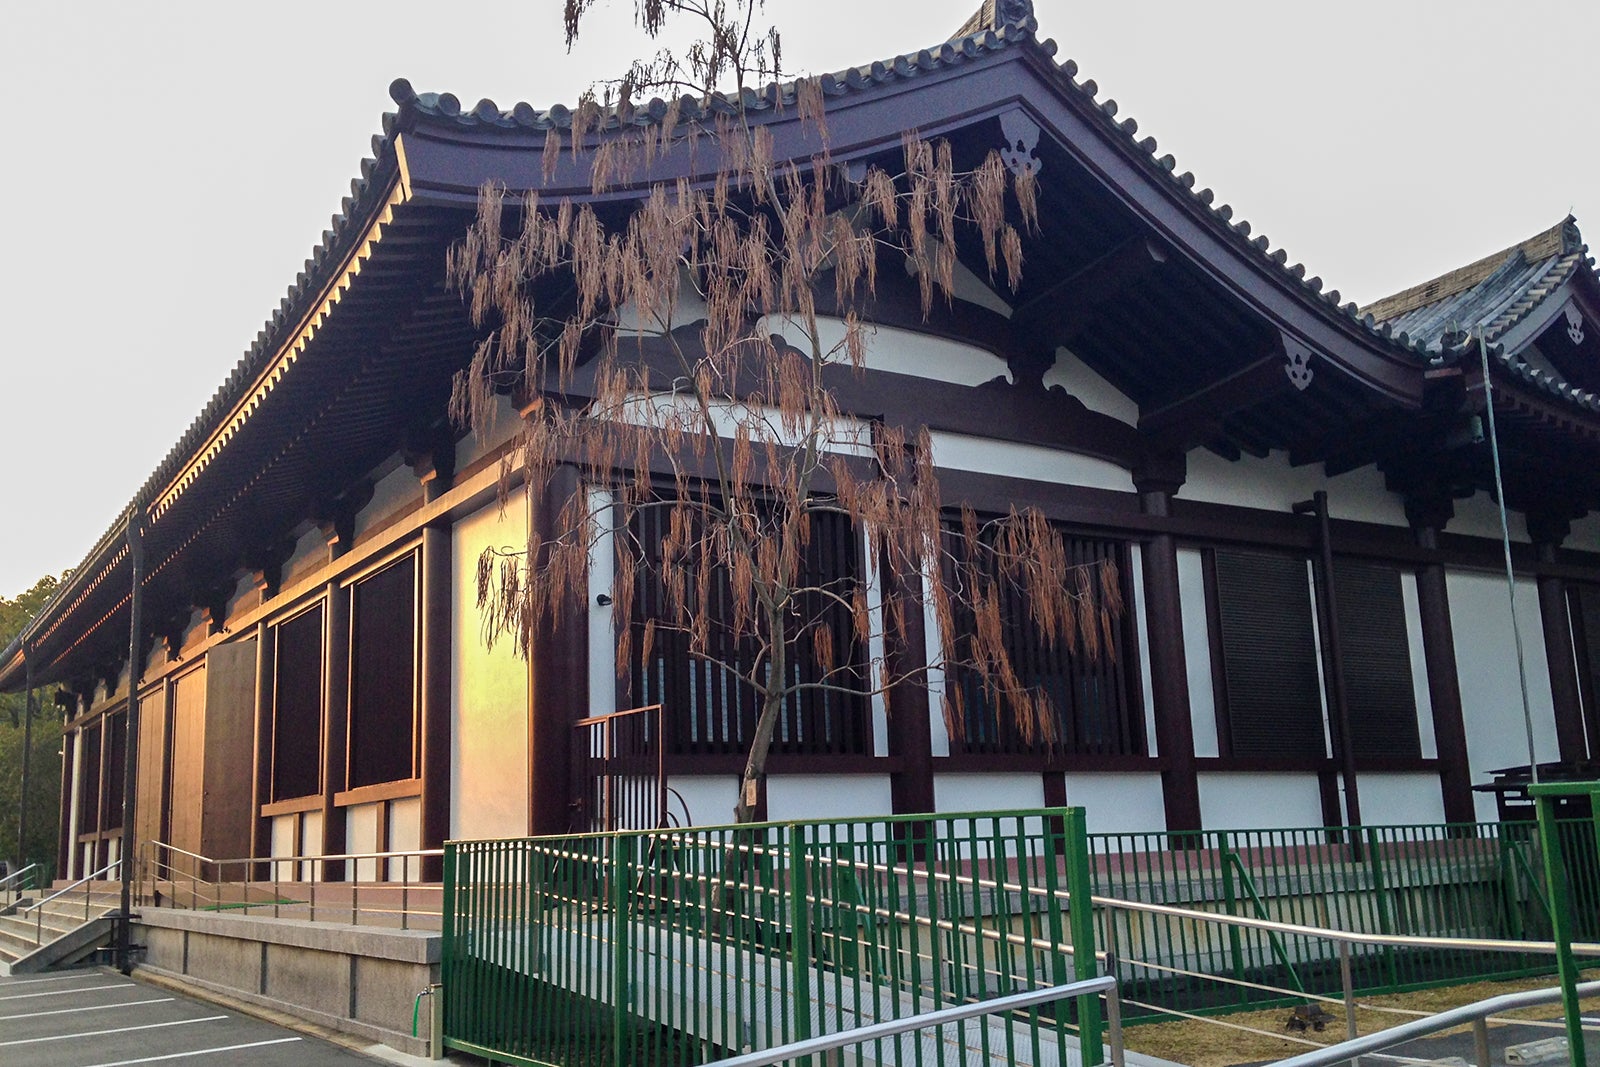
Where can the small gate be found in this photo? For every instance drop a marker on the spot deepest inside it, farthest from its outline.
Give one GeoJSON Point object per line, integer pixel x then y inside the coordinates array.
{"type": "Point", "coordinates": [622, 771]}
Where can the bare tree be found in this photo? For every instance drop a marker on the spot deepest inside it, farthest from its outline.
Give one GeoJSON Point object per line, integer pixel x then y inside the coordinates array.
{"type": "Point", "coordinates": [688, 352]}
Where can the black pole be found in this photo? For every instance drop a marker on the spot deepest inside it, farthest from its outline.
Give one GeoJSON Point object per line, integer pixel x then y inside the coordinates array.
{"type": "Point", "coordinates": [1333, 664]}
{"type": "Point", "coordinates": [130, 745]}
{"type": "Point", "coordinates": [27, 754]}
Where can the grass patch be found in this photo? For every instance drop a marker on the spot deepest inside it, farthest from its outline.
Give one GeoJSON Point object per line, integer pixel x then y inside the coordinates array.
{"type": "Point", "coordinates": [1218, 1043]}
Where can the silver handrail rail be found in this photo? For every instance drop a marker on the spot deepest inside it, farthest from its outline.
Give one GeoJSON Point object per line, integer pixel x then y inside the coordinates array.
{"type": "Point", "coordinates": [157, 870]}
{"type": "Point", "coordinates": [38, 906]}
{"type": "Point", "coordinates": [877, 1031]}
{"type": "Point", "coordinates": [1476, 1013]}
{"type": "Point", "coordinates": [16, 876]}
{"type": "Point", "coordinates": [1579, 948]}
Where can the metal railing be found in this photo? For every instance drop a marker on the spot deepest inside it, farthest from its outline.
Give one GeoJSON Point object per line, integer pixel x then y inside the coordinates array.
{"type": "Point", "coordinates": [622, 771]}
{"type": "Point", "coordinates": [296, 886]}
{"type": "Point", "coordinates": [944, 1016]}
{"type": "Point", "coordinates": [86, 883]}
{"type": "Point", "coordinates": [22, 880]}
{"type": "Point", "coordinates": [1473, 880]}
{"type": "Point", "coordinates": [688, 945]}
{"type": "Point", "coordinates": [1476, 1013]}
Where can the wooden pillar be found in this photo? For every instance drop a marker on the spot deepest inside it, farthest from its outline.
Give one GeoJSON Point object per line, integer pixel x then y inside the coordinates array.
{"type": "Point", "coordinates": [69, 769]}
{"type": "Point", "coordinates": [907, 703]}
{"type": "Point", "coordinates": [558, 682]}
{"type": "Point", "coordinates": [1428, 515]}
{"type": "Point", "coordinates": [335, 723]}
{"type": "Point", "coordinates": [261, 792]}
{"type": "Point", "coordinates": [1548, 532]}
{"type": "Point", "coordinates": [436, 690]}
{"type": "Point", "coordinates": [1169, 679]}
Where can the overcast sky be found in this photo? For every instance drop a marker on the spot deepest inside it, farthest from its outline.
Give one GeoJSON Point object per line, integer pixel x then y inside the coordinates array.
{"type": "Point", "coordinates": [169, 166]}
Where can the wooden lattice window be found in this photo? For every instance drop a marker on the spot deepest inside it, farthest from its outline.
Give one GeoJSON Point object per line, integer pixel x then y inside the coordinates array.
{"type": "Point", "coordinates": [708, 710]}
{"type": "Point", "coordinates": [297, 705]}
{"type": "Point", "coordinates": [1093, 700]}
{"type": "Point", "coordinates": [383, 675]}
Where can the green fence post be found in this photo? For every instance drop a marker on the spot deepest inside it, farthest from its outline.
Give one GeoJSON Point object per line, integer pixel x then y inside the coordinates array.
{"type": "Point", "coordinates": [1555, 873]}
{"type": "Point", "coordinates": [1081, 916]}
{"type": "Point", "coordinates": [447, 941]}
{"type": "Point", "coordinates": [1230, 901]}
{"type": "Point", "coordinates": [621, 883]}
{"type": "Point", "coordinates": [800, 933]}
{"type": "Point", "coordinates": [1380, 896]}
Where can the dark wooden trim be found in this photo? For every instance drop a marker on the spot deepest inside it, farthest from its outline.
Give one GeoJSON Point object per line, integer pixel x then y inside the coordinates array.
{"type": "Point", "coordinates": [965, 762]}
{"type": "Point", "coordinates": [1219, 666]}
{"type": "Point", "coordinates": [335, 720]}
{"type": "Point", "coordinates": [261, 784]}
{"type": "Point", "coordinates": [1169, 682]}
{"type": "Point", "coordinates": [784, 763]}
{"type": "Point", "coordinates": [1301, 765]}
{"type": "Point", "coordinates": [64, 847]}
{"type": "Point", "coordinates": [1055, 790]}
{"type": "Point", "coordinates": [1186, 421]}
{"type": "Point", "coordinates": [1559, 657]}
{"type": "Point", "coordinates": [558, 681]}
{"type": "Point", "coordinates": [288, 807]}
{"type": "Point", "coordinates": [908, 704]}
{"type": "Point", "coordinates": [383, 791]}
{"type": "Point", "coordinates": [1583, 645]}
{"type": "Point", "coordinates": [1444, 693]}
{"type": "Point", "coordinates": [436, 639]}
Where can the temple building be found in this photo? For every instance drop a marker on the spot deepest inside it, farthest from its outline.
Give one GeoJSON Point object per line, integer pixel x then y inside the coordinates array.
{"type": "Point", "coordinates": [1301, 495]}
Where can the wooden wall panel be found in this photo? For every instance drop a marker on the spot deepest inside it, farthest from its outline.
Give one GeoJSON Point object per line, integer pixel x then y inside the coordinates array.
{"type": "Point", "coordinates": [186, 781]}
{"type": "Point", "coordinates": [230, 698]}
{"type": "Point", "coordinates": [149, 817]}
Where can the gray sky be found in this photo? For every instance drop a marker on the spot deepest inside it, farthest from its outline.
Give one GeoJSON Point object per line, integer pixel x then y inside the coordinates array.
{"type": "Point", "coordinates": [170, 166]}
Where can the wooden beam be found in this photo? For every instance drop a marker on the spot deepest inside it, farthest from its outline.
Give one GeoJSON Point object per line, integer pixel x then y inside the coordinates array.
{"type": "Point", "coordinates": [1058, 311]}
{"type": "Point", "coordinates": [1191, 419]}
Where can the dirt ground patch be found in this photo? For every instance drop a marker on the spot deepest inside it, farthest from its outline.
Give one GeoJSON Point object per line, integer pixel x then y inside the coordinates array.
{"type": "Point", "coordinates": [1226, 1040]}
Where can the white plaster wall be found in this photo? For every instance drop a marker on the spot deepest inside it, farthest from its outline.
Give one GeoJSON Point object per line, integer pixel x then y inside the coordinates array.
{"type": "Point", "coordinates": [1119, 803]}
{"type": "Point", "coordinates": [1271, 484]}
{"type": "Point", "coordinates": [967, 453]}
{"type": "Point", "coordinates": [1253, 800]}
{"type": "Point", "coordinates": [394, 491]}
{"type": "Point", "coordinates": [1486, 663]}
{"type": "Point", "coordinates": [1428, 745]}
{"type": "Point", "coordinates": [793, 797]}
{"type": "Point", "coordinates": [75, 868]}
{"type": "Point", "coordinates": [1408, 797]}
{"type": "Point", "coordinates": [997, 791]}
{"type": "Point", "coordinates": [876, 664]}
{"type": "Point", "coordinates": [1097, 394]}
{"type": "Point", "coordinates": [907, 352]}
{"type": "Point", "coordinates": [360, 836]}
{"type": "Point", "coordinates": [311, 844]}
{"type": "Point", "coordinates": [1585, 533]}
{"type": "Point", "coordinates": [284, 843]}
{"type": "Point", "coordinates": [405, 835]}
{"type": "Point", "coordinates": [702, 799]}
{"type": "Point", "coordinates": [1142, 630]}
{"type": "Point", "coordinates": [503, 425]}
{"type": "Point", "coordinates": [309, 548]}
{"type": "Point", "coordinates": [1197, 651]}
{"type": "Point", "coordinates": [1479, 516]}
{"type": "Point", "coordinates": [489, 690]}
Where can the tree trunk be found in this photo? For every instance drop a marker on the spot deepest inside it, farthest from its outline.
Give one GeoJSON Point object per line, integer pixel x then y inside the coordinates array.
{"type": "Point", "coordinates": [755, 764]}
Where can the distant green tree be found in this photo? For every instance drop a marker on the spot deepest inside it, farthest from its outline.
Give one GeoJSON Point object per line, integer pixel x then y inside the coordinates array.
{"type": "Point", "coordinates": [44, 769]}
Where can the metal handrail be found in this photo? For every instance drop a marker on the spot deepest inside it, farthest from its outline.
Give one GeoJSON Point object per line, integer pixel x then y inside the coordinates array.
{"type": "Point", "coordinates": [38, 906]}
{"type": "Point", "coordinates": [16, 876]}
{"type": "Point", "coordinates": [156, 868]}
{"type": "Point", "coordinates": [1476, 1013]}
{"type": "Point", "coordinates": [1584, 948]}
{"type": "Point", "coordinates": [877, 1031]}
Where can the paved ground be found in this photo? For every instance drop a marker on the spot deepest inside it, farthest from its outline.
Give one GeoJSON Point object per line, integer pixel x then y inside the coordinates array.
{"type": "Point", "coordinates": [1461, 1046]}
{"type": "Point", "coordinates": [98, 1018]}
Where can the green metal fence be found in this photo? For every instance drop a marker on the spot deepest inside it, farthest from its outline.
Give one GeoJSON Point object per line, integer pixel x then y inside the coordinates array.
{"type": "Point", "coordinates": [1481, 880]}
{"type": "Point", "coordinates": [687, 946]}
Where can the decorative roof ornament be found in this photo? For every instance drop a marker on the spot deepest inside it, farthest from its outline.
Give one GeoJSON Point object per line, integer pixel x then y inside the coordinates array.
{"type": "Point", "coordinates": [1574, 323]}
{"type": "Point", "coordinates": [1022, 137]}
{"type": "Point", "coordinates": [1299, 366]}
{"type": "Point", "coordinates": [997, 15]}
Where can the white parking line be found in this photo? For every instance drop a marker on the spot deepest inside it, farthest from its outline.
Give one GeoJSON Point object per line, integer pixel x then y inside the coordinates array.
{"type": "Point", "coordinates": [41, 981]}
{"type": "Point", "coordinates": [91, 1007]}
{"type": "Point", "coordinates": [118, 1030]}
{"type": "Point", "coordinates": [68, 992]}
{"type": "Point", "coordinates": [196, 1052]}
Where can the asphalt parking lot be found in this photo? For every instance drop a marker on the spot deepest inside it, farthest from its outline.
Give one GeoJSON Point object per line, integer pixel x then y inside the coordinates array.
{"type": "Point", "coordinates": [98, 1018]}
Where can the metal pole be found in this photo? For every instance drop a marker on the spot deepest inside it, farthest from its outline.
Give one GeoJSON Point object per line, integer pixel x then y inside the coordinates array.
{"type": "Point", "coordinates": [130, 746]}
{"type": "Point", "coordinates": [1348, 981]}
{"type": "Point", "coordinates": [1338, 702]}
{"type": "Point", "coordinates": [27, 755]}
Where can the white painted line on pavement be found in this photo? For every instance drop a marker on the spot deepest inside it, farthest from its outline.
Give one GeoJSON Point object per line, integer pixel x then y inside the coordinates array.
{"type": "Point", "coordinates": [41, 981]}
{"type": "Point", "coordinates": [118, 1030]}
{"type": "Point", "coordinates": [92, 1007]}
{"type": "Point", "coordinates": [68, 992]}
{"type": "Point", "coordinates": [196, 1052]}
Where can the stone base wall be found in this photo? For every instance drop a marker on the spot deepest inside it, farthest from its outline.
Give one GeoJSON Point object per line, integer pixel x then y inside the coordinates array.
{"type": "Point", "coordinates": [358, 980]}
